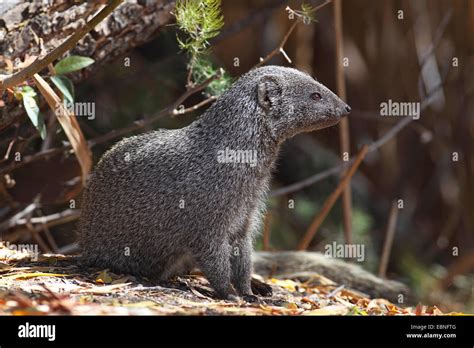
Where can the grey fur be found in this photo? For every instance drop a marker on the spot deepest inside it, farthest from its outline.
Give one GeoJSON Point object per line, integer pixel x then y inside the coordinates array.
{"type": "Point", "coordinates": [160, 203]}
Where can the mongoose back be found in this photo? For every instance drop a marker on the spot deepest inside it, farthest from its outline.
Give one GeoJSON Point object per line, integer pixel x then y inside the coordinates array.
{"type": "Point", "coordinates": [162, 203]}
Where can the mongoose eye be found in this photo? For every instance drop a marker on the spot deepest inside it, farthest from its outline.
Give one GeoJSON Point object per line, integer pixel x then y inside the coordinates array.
{"type": "Point", "coordinates": [316, 96]}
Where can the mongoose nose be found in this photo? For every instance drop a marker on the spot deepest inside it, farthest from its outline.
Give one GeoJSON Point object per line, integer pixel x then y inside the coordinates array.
{"type": "Point", "coordinates": [348, 108]}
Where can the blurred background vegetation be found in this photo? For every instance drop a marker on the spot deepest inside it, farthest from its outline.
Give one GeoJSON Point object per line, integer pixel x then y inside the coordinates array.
{"type": "Point", "coordinates": [392, 55]}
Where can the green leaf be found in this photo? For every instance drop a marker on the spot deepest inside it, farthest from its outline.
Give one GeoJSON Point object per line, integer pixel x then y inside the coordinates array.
{"type": "Point", "coordinates": [72, 63]}
{"type": "Point", "coordinates": [27, 90]}
{"type": "Point", "coordinates": [357, 311]}
{"type": "Point", "coordinates": [65, 86]}
{"type": "Point", "coordinates": [32, 109]}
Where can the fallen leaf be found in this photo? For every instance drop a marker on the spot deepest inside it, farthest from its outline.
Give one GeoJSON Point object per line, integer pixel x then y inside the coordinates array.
{"type": "Point", "coordinates": [288, 284]}
{"type": "Point", "coordinates": [291, 305]}
{"type": "Point", "coordinates": [103, 289]}
{"type": "Point", "coordinates": [419, 309]}
{"type": "Point", "coordinates": [121, 280]}
{"type": "Point", "coordinates": [104, 277]}
{"type": "Point", "coordinates": [33, 275]}
{"type": "Point", "coordinates": [21, 312]}
{"type": "Point", "coordinates": [329, 310]}
{"type": "Point", "coordinates": [141, 304]}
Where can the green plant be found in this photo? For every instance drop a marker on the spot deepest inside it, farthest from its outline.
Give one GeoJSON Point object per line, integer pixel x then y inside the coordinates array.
{"type": "Point", "coordinates": [200, 21]}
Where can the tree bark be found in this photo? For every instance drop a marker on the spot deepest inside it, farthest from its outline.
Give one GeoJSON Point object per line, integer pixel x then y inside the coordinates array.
{"type": "Point", "coordinates": [34, 29]}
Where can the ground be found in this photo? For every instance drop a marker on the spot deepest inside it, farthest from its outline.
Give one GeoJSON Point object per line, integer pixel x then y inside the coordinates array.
{"type": "Point", "coordinates": [55, 284]}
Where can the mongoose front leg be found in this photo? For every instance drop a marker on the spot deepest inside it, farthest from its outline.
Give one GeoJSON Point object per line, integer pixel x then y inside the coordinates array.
{"type": "Point", "coordinates": [241, 260]}
{"type": "Point", "coordinates": [214, 262]}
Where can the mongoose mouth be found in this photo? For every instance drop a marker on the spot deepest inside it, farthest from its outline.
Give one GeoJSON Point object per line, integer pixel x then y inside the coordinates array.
{"type": "Point", "coordinates": [329, 122]}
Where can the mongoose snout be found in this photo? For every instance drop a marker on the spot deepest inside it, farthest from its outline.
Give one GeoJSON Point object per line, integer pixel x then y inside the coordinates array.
{"type": "Point", "coordinates": [164, 202]}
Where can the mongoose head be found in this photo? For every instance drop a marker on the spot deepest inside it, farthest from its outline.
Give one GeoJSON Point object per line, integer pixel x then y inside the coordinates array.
{"type": "Point", "coordinates": [293, 102]}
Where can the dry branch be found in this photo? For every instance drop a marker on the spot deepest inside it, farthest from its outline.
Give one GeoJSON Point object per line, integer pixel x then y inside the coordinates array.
{"type": "Point", "coordinates": [328, 204]}
{"type": "Point", "coordinates": [344, 137]}
{"type": "Point", "coordinates": [280, 48]}
{"type": "Point", "coordinates": [387, 247]}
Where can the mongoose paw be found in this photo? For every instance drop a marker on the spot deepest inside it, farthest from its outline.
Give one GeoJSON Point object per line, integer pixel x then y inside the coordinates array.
{"type": "Point", "coordinates": [260, 288]}
{"type": "Point", "coordinates": [232, 297]}
{"type": "Point", "coordinates": [250, 298]}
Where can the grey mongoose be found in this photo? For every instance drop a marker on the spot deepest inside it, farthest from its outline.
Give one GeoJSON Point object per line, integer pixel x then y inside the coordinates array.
{"type": "Point", "coordinates": [161, 203]}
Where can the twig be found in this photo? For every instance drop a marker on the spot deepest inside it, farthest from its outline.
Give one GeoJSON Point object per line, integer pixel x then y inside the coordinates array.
{"type": "Point", "coordinates": [32, 158]}
{"type": "Point", "coordinates": [39, 64]}
{"type": "Point", "coordinates": [66, 215]}
{"type": "Point", "coordinates": [36, 236]}
{"type": "Point", "coordinates": [322, 5]}
{"type": "Point", "coordinates": [328, 204]}
{"type": "Point", "coordinates": [344, 137]}
{"type": "Point", "coordinates": [335, 291]}
{"type": "Point", "coordinates": [49, 237]}
{"type": "Point", "coordinates": [69, 248]}
{"type": "Point", "coordinates": [10, 145]}
{"type": "Point", "coordinates": [189, 83]}
{"type": "Point", "coordinates": [280, 46]}
{"type": "Point", "coordinates": [37, 224]}
{"type": "Point", "coordinates": [437, 37]}
{"type": "Point", "coordinates": [387, 247]}
{"type": "Point", "coordinates": [266, 232]}
{"type": "Point", "coordinates": [23, 300]}
{"type": "Point", "coordinates": [5, 225]}
{"type": "Point", "coordinates": [194, 107]}
{"type": "Point", "coordinates": [59, 300]}
{"type": "Point", "coordinates": [309, 181]}
{"type": "Point", "coordinates": [302, 15]}
{"type": "Point", "coordinates": [51, 221]}
{"type": "Point", "coordinates": [279, 49]}
{"type": "Point", "coordinates": [190, 91]}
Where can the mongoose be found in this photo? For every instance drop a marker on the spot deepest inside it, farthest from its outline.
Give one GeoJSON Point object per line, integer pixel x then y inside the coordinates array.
{"type": "Point", "coordinates": [161, 203]}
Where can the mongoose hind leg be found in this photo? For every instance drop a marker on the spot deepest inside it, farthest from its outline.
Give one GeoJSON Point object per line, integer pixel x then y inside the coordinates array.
{"type": "Point", "coordinates": [241, 261]}
{"type": "Point", "coordinates": [214, 262]}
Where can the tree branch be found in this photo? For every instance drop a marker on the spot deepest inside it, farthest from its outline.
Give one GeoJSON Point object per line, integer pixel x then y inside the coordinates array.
{"type": "Point", "coordinates": [387, 246]}
{"type": "Point", "coordinates": [329, 203]}
{"type": "Point", "coordinates": [279, 49]}
{"type": "Point", "coordinates": [344, 136]}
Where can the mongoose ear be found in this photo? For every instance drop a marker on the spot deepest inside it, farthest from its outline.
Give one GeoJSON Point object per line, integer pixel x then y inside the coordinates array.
{"type": "Point", "coordinates": [269, 92]}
